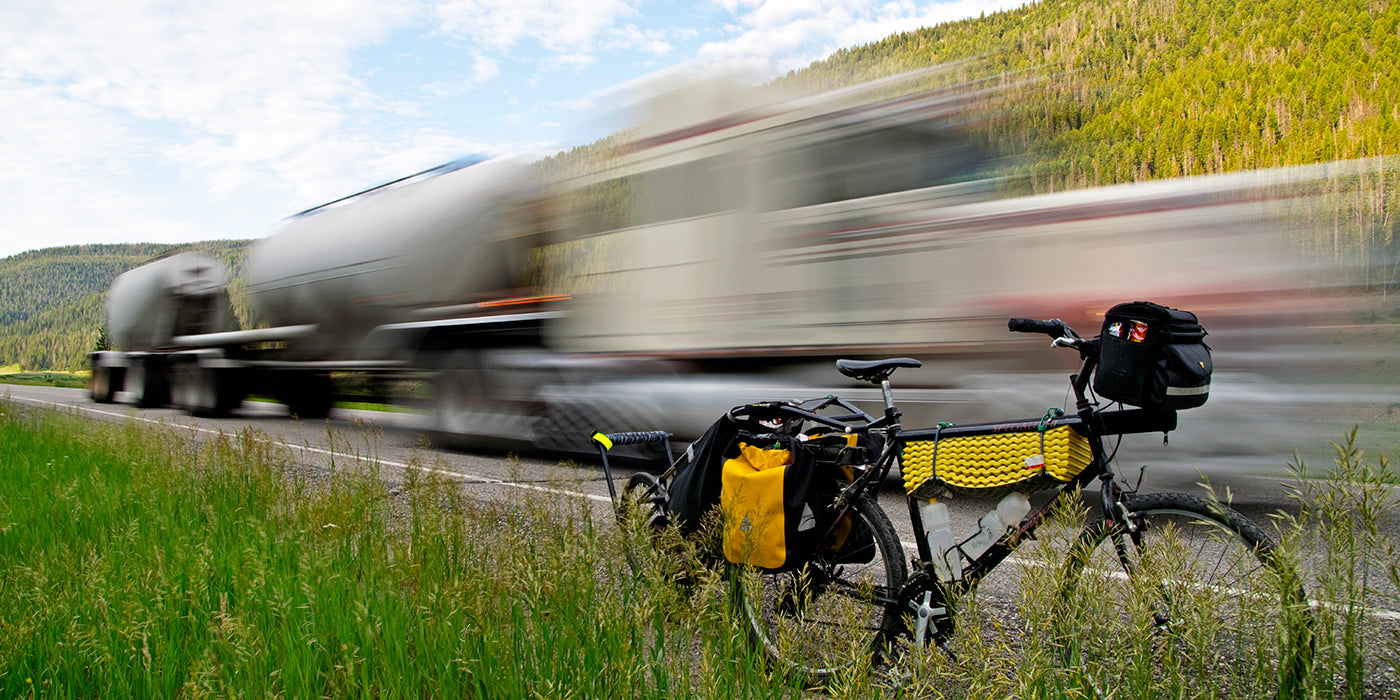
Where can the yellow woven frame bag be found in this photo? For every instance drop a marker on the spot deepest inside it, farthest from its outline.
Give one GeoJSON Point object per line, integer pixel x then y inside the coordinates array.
{"type": "Point", "coordinates": [1026, 459]}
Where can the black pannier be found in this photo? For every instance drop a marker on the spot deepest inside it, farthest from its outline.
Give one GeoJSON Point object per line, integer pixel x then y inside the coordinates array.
{"type": "Point", "coordinates": [794, 499]}
{"type": "Point", "coordinates": [1153, 356]}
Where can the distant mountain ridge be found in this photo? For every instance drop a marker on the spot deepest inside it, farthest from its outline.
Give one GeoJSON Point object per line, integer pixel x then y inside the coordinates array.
{"type": "Point", "coordinates": [51, 299]}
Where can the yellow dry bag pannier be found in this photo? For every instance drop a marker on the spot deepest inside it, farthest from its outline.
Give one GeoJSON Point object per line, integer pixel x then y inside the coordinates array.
{"type": "Point", "coordinates": [764, 496]}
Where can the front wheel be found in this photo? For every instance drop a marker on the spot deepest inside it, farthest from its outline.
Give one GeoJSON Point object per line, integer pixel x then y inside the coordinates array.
{"type": "Point", "coordinates": [836, 610]}
{"type": "Point", "coordinates": [1189, 587]}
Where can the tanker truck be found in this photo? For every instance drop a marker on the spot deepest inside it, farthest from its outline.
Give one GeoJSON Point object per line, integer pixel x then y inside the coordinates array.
{"type": "Point", "coordinates": [426, 273]}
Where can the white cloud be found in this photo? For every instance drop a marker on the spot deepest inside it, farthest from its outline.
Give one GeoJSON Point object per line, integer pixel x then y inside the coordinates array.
{"type": "Point", "coordinates": [252, 96]}
{"type": "Point", "coordinates": [775, 36]}
{"type": "Point", "coordinates": [484, 69]}
{"type": "Point", "coordinates": [651, 41]}
{"type": "Point", "coordinates": [558, 25]}
{"type": "Point", "coordinates": [569, 61]}
{"type": "Point", "coordinates": [64, 166]}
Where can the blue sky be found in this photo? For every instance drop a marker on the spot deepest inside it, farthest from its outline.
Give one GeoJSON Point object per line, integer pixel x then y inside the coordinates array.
{"type": "Point", "coordinates": [181, 120]}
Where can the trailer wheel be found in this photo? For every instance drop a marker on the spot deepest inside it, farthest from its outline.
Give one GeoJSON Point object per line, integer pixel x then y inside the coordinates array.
{"type": "Point", "coordinates": [148, 383]}
{"type": "Point", "coordinates": [308, 396]}
{"type": "Point", "coordinates": [105, 381]}
{"type": "Point", "coordinates": [204, 391]}
{"type": "Point", "coordinates": [462, 403]}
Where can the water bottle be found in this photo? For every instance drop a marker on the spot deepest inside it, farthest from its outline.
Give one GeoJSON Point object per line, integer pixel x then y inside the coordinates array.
{"type": "Point", "coordinates": [938, 532]}
{"type": "Point", "coordinates": [1012, 508]}
{"type": "Point", "coordinates": [994, 524]}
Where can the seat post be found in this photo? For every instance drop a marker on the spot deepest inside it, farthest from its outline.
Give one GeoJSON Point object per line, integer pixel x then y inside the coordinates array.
{"type": "Point", "coordinates": [891, 413]}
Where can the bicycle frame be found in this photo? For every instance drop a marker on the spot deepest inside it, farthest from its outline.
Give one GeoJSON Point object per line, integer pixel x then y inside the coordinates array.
{"type": "Point", "coordinates": [924, 581]}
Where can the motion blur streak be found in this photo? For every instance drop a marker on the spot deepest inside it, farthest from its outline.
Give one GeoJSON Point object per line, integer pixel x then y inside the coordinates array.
{"type": "Point", "coordinates": [736, 241]}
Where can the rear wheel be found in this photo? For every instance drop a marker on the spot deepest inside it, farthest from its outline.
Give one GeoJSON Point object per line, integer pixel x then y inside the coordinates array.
{"type": "Point", "coordinates": [1195, 588]}
{"type": "Point", "coordinates": [825, 616]}
{"type": "Point", "coordinates": [105, 381]}
{"type": "Point", "coordinates": [307, 395]}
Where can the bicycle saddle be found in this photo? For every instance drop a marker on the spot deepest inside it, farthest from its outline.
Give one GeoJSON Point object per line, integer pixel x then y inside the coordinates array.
{"type": "Point", "coordinates": [874, 371]}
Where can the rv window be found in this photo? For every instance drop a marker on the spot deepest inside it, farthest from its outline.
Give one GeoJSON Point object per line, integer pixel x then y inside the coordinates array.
{"type": "Point", "coordinates": [869, 164]}
{"type": "Point", "coordinates": [697, 188]}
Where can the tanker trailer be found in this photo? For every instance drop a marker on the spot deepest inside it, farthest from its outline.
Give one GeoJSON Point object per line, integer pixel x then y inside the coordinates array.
{"type": "Point", "coordinates": [147, 308]}
{"type": "Point", "coordinates": [425, 273]}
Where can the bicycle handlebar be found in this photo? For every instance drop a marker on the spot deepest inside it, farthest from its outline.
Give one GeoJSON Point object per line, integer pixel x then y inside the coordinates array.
{"type": "Point", "coordinates": [649, 437]}
{"type": "Point", "coordinates": [1054, 327]}
{"type": "Point", "coordinates": [771, 410]}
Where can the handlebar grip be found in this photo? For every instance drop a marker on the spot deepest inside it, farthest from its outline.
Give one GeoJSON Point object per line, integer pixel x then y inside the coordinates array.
{"type": "Point", "coordinates": [649, 437]}
{"type": "Point", "coordinates": [1053, 327]}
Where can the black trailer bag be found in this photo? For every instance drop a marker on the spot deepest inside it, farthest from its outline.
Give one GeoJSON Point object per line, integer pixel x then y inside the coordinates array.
{"type": "Point", "coordinates": [695, 487]}
{"type": "Point", "coordinates": [1153, 356]}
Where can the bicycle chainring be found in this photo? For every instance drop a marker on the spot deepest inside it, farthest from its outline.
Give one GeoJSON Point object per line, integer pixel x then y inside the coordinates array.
{"type": "Point", "coordinates": [923, 589]}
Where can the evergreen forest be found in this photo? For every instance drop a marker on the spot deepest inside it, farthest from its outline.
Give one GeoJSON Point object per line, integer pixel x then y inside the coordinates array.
{"type": "Point", "coordinates": [51, 300]}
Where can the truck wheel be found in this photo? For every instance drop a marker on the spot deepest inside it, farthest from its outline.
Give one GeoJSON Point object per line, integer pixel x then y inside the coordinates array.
{"type": "Point", "coordinates": [309, 396]}
{"type": "Point", "coordinates": [462, 403]}
{"type": "Point", "coordinates": [147, 383]}
{"type": "Point", "coordinates": [203, 391]}
{"type": "Point", "coordinates": [194, 389]}
{"type": "Point", "coordinates": [105, 380]}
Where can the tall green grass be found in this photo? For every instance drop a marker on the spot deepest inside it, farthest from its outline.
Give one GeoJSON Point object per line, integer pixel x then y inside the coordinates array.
{"type": "Point", "coordinates": [1343, 515]}
{"type": "Point", "coordinates": [135, 562]}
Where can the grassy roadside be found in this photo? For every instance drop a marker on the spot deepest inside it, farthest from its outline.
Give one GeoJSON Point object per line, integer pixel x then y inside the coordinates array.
{"type": "Point", "coordinates": [68, 380]}
{"type": "Point", "coordinates": [136, 563]}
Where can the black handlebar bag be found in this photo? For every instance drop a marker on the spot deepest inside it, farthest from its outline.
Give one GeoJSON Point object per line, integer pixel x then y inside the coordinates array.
{"type": "Point", "coordinates": [1153, 356]}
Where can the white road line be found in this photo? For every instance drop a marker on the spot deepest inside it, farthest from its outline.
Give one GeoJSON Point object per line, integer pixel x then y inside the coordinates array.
{"type": "Point", "coordinates": [461, 476]}
{"type": "Point", "coordinates": [1378, 613]}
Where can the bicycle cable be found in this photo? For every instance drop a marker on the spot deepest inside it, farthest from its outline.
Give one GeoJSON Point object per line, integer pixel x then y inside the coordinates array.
{"type": "Point", "coordinates": [1116, 445]}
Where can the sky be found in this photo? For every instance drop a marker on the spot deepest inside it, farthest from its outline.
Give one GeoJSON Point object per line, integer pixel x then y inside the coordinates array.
{"type": "Point", "coordinates": [184, 120]}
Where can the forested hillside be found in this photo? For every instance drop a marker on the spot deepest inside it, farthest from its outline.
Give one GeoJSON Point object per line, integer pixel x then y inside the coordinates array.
{"type": "Point", "coordinates": [51, 299]}
{"type": "Point", "coordinates": [1131, 90]}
